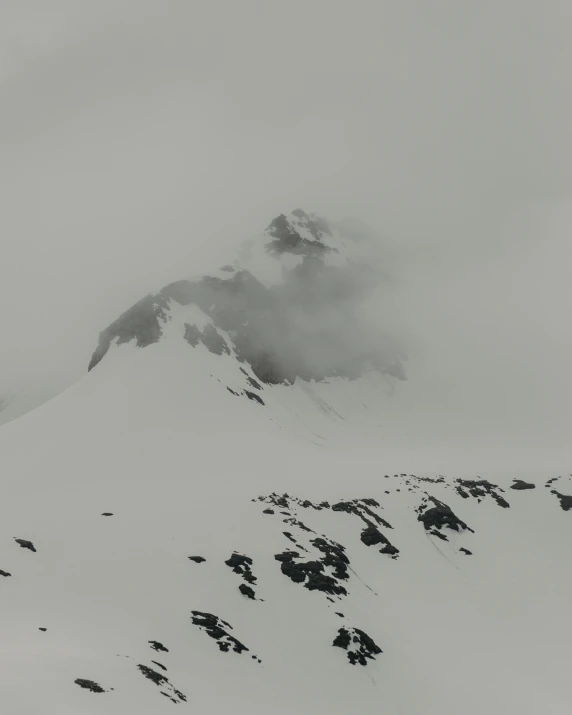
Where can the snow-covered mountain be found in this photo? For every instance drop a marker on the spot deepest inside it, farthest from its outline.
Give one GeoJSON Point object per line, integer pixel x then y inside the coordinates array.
{"type": "Point", "coordinates": [217, 517]}
{"type": "Point", "coordinates": [288, 307]}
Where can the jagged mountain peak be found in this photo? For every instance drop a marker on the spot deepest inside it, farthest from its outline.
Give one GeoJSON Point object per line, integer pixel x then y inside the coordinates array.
{"type": "Point", "coordinates": [288, 306]}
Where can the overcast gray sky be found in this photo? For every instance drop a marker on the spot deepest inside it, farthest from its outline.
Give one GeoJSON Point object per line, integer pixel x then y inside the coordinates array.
{"type": "Point", "coordinates": [139, 139]}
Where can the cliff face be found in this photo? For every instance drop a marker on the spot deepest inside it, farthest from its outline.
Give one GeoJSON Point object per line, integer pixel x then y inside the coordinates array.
{"type": "Point", "coordinates": [289, 306]}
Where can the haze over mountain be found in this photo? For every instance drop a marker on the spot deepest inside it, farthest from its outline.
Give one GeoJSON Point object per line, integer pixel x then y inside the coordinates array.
{"type": "Point", "coordinates": [256, 456]}
{"type": "Point", "coordinates": [142, 141]}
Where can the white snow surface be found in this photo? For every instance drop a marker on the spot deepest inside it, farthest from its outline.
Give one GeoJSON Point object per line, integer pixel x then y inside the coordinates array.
{"type": "Point", "coordinates": [154, 437]}
{"type": "Point", "coordinates": [184, 448]}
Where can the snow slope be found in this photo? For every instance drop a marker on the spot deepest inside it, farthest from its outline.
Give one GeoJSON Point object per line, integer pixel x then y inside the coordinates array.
{"type": "Point", "coordinates": [350, 543]}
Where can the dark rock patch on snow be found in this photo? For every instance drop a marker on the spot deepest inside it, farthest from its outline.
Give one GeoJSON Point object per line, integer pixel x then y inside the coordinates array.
{"type": "Point", "coordinates": [162, 681]}
{"type": "Point", "coordinates": [440, 516]}
{"type": "Point", "coordinates": [192, 335]}
{"type": "Point", "coordinates": [5, 573]}
{"type": "Point", "coordinates": [479, 489]}
{"type": "Point", "coordinates": [247, 591]}
{"type": "Point", "coordinates": [371, 536]}
{"type": "Point", "coordinates": [142, 323]}
{"type": "Point", "coordinates": [253, 396]}
{"type": "Point", "coordinates": [89, 685]}
{"type": "Point", "coordinates": [289, 536]}
{"type": "Point", "coordinates": [242, 565]}
{"type": "Point", "coordinates": [288, 239]}
{"type": "Point", "coordinates": [358, 645]}
{"type": "Point", "coordinates": [214, 627]}
{"type": "Point", "coordinates": [197, 559]}
{"type": "Point", "coordinates": [312, 574]}
{"type": "Point", "coordinates": [520, 485]}
{"type": "Point", "coordinates": [214, 341]}
{"type": "Point", "coordinates": [209, 337]}
{"type": "Point", "coordinates": [295, 522]}
{"type": "Point", "coordinates": [25, 544]}
{"type": "Point", "coordinates": [565, 499]}
{"type": "Point", "coordinates": [152, 675]}
{"type": "Point", "coordinates": [158, 646]}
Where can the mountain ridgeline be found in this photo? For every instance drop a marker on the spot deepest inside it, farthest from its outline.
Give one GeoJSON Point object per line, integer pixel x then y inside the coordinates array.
{"type": "Point", "coordinates": [290, 306]}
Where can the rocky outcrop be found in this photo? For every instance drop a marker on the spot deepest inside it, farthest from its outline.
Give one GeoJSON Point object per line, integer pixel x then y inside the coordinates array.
{"type": "Point", "coordinates": [305, 325]}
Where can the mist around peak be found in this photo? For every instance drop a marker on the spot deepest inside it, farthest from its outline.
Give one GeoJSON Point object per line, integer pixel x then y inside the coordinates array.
{"type": "Point", "coordinates": [309, 324]}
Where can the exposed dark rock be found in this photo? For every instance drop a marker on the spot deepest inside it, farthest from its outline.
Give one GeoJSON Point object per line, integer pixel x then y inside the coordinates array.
{"type": "Point", "coordinates": [439, 517]}
{"type": "Point", "coordinates": [107, 513]}
{"type": "Point", "coordinates": [162, 681]}
{"type": "Point", "coordinates": [153, 675]}
{"type": "Point", "coordinates": [89, 685]}
{"type": "Point", "coordinates": [43, 629]}
{"type": "Point", "coordinates": [254, 396]}
{"type": "Point", "coordinates": [192, 335]}
{"type": "Point", "coordinates": [209, 337]}
{"type": "Point", "coordinates": [25, 544]}
{"type": "Point", "coordinates": [262, 322]}
{"type": "Point", "coordinates": [311, 573]}
{"type": "Point", "coordinates": [213, 626]}
{"type": "Point", "coordinates": [439, 535]}
{"type": "Point", "coordinates": [299, 524]}
{"type": "Point", "coordinates": [348, 507]}
{"type": "Point", "coordinates": [363, 509]}
{"type": "Point", "coordinates": [334, 556]}
{"type": "Point", "coordinates": [287, 556]}
{"type": "Point", "coordinates": [268, 511]}
{"type": "Point", "coordinates": [359, 646]}
{"type": "Point", "coordinates": [4, 573]}
{"type": "Point", "coordinates": [280, 501]}
{"type": "Point", "coordinates": [371, 536]}
{"type": "Point", "coordinates": [288, 240]}
{"type": "Point", "coordinates": [158, 646]}
{"type": "Point", "coordinates": [242, 565]}
{"type": "Point", "coordinates": [197, 559]}
{"type": "Point", "coordinates": [213, 341]}
{"type": "Point", "coordinates": [479, 489]}
{"type": "Point", "coordinates": [251, 381]}
{"type": "Point", "coordinates": [466, 551]}
{"type": "Point", "coordinates": [341, 615]}
{"type": "Point", "coordinates": [519, 485]}
{"type": "Point", "coordinates": [142, 323]}
{"type": "Point", "coordinates": [247, 591]}
{"type": "Point", "coordinates": [565, 500]}
{"type": "Point", "coordinates": [156, 662]}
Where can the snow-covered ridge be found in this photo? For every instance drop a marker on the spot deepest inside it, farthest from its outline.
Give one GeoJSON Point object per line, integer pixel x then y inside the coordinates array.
{"type": "Point", "coordinates": [165, 545]}
{"type": "Point", "coordinates": [288, 306]}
